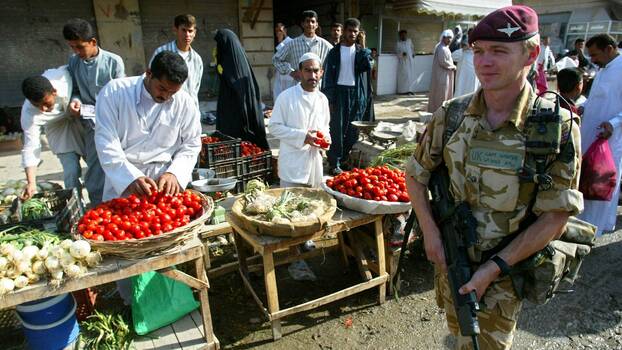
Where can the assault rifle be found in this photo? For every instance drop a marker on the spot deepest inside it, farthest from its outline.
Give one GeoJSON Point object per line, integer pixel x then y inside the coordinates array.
{"type": "Point", "coordinates": [457, 226]}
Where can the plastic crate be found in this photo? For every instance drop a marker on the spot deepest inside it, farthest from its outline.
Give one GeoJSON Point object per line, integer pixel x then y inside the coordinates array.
{"type": "Point", "coordinates": [85, 303]}
{"type": "Point", "coordinates": [213, 154]}
{"type": "Point", "coordinates": [256, 163]}
{"type": "Point", "coordinates": [232, 168]}
{"type": "Point", "coordinates": [66, 207]}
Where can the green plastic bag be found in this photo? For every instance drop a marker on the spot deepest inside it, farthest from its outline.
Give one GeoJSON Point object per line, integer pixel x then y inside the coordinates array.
{"type": "Point", "coordinates": [159, 301]}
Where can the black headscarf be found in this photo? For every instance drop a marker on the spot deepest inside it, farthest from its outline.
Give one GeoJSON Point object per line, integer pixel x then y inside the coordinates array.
{"type": "Point", "coordinates": [239, 111]}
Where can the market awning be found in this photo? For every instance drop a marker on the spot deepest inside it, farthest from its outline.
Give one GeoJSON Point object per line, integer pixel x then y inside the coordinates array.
{"type": "Point", "coordinates": [451, 7]}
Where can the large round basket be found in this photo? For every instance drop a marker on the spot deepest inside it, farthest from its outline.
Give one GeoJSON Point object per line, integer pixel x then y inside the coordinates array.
{"type": "Point", "coordinates": [367, 206]}
{"type": "Point", "coordinates": [253, 225]}
{"type": "Point", "coordinates": [154, 245]}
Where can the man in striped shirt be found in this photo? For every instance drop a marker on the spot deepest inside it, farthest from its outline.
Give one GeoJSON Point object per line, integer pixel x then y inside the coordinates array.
{"type": "Point", "coordinates": [286, 60]}
{"type": "Point", "coordinates": [185, 30]}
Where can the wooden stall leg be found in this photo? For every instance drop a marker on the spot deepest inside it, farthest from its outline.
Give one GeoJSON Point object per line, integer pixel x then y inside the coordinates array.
{"type": "Point", "coordinates": [381, 260]}
{"type": "Point", "coordinates": [240, 246]}
{"type": "Point", "coordinates": [271, 291]}
{"type": "Point", "coordinates": [212, 341]}
{"type": "Point", "coordinates": [342, 247]}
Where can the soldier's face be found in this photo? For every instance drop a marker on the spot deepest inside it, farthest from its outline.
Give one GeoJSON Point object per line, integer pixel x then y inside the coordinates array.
{"type": "Point", "coordinates": [499, 65]}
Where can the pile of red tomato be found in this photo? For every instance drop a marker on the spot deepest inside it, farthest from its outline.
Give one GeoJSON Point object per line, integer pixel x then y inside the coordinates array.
{"type": "Point", "coordinates": [321, 140]}
{"type": "Point", "coordinates": [375, 183]}
{"type": "Point", "coordinates": [209, 139]}
{"type": "Point", "coordinates": [139, 217]}
{"type": "Point", "coordinates": [250, 149]}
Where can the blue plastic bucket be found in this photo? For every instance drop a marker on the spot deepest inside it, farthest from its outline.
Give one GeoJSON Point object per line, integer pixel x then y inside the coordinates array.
{"type": "Point", "coordinates": [47, 310]}
{"type": "Point", "coordinates": [53, 336]}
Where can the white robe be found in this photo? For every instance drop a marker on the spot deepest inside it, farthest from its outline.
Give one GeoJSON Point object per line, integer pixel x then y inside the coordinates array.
{"type": "Point", "coordinates": [466, 80]}
{"type": "Point", "coordinates": [604, 104]}
{"type": "Point", "coordinates": [405, 66]}
{"type": "Point", "coordinates": [131, 144]}
{"type": "Point", "coordinates": [281, 81]}
{"type": "Point", "coordinates": [64, 132]}
{"type": "Point", "coordinates": [295, 113]}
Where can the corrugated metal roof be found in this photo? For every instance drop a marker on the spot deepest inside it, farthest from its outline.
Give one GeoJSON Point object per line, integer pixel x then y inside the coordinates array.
{"type": "Point", "coordinates": [451, 7]}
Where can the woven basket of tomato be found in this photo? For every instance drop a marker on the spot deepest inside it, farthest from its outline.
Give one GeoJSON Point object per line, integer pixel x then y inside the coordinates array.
{"type": "Point", "coordinates": [374, 190]}
{"type": "Point", "coordinates": [136, 227]}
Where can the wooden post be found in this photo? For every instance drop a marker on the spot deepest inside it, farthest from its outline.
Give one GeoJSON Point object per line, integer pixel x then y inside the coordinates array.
{"type": "Point", "coordinates": [381, 262]}
{"type": "Point", "coordinates": [271, 291]}
{"type": "Point", "coordinates": [212, 341]}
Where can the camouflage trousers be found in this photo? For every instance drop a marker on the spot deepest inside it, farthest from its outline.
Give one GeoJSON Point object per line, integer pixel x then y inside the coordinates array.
{"type": "Point", "coordinates": [497, 317]}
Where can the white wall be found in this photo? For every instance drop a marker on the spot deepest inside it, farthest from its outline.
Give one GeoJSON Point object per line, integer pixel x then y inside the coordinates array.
{"type": "Point", "coordinates": [387, 74]}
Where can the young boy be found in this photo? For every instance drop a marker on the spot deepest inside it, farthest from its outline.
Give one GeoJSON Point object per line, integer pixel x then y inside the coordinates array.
{"type": "Point", "coordinates": [184, 28]}
{"type": "Point", "coordinates": [570, 85]}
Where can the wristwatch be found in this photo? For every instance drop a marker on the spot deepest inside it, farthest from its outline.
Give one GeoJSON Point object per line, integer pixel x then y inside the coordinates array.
{"type": "Point", "coordinates": [503, 266]}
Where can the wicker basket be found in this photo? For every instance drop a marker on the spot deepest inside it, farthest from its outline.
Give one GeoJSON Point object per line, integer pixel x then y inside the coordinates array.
{"type": "Point", "coordinates": [259, 227]}
{"type": "Point", "coordinates": [154, 245]}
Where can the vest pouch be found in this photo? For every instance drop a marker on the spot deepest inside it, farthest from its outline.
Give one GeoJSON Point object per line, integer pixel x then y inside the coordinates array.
{"type": "Point", "coordinates": [579, 231]}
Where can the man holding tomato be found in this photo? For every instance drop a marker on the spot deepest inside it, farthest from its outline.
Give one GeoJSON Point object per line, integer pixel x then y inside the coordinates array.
{"type": "Point", "coordinates": [148, 132]}
{"type": "Point", "coordinates": [300, 121]}
{"type": "Point", "coordinates": [491, 127]}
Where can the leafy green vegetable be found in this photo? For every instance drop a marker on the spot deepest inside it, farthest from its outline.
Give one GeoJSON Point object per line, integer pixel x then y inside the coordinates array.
{"type": "Point", "coordinates": [106, 331]}
{"type": "Point", "coordinates": [20, 236]}
{"type": "Point", "coordinates": [34, 209]}
{"type": "Point", "coordinates": [395, 157]}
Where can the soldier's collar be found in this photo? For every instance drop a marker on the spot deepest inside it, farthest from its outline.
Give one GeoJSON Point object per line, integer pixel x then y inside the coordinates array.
{"type": "Point", "coordinates": [519, 114]}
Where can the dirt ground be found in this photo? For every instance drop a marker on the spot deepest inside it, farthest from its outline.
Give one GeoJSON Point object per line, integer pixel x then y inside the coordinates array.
{"type": "Point", "coordinates": [589, 318]}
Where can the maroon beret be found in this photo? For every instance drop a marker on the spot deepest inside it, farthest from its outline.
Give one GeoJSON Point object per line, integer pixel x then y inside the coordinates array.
{"type": "Point", "coordinates": [507, 24]}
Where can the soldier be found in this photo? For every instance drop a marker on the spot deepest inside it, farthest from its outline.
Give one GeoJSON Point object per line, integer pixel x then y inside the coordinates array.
{"type": "Point", "coordinates": [486, 155]}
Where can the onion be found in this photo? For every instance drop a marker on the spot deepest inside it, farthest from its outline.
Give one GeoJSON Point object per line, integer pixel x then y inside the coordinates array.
{"type": "Point", "coordinates": [20, 281]}
{"type": "Point", "coordinates": [38, 267]}
{"type": "Point", "coordinates": [42, 254]}
{"type": "Point", "coordinates": [23, 266]}
{"type": "Point", "coordinates": [32, 277]}
{"type": "Point", "coordinates": [66, 244]}
{"type": "Point", "coordinates": [6, 285]}
{"type": "Point", "coordinates": [52, 263]}
{"type": "Point", "coordinates": [80, 249]}
{"type": "Point", "coordinates": [93, 259]}
{"type": "Point", "coordinates": [57, 274]}
{"type": "Point", "coordinates": [73, 271]}
{"type": "Point", "coordinates": [30, 252]}
{"type": "Point", "coordinates": [66, 259]}
{"type": "Point", "coordinates": [4, 262]}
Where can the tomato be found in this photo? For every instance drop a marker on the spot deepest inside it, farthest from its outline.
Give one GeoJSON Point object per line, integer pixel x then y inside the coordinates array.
{"type": "Point", "coordinates": [156, 227]}
{"type": "Point", "coordinates": [99, 230]}
{"type": "Point", "coordinates": [82, 228]}
{"type": "Point", "coordinates": [87, 234]}
{"type": "Point", "coordinates": [98, 237]}
{"type": "Point", "coordinates": [165, 218]}
{"type": "Point", "coordinates": [392, 197]}
{"type": "Point", "coordinates": [116, 220]}
{"type": "Point", "coordinates": [404, 197]}
{"type": "Point", "coordinates": [125, 225]}
{"type": "Point", "coordinates": [108, 236]}
{"type": "Point", "coordinates": [157, 232]}
{"type": "Point", "coordinates": [190, 211]}
{"type": "Point", "coordinates": [368, 196]}
{"type": "Point", "coordinates": [330, 183]}
{"type": "Point", "coordinates": [167, 227]}
{"type": "Point", "coordinates": [139, 235]}
{"type": "Point", "coordinates": [176, 202]}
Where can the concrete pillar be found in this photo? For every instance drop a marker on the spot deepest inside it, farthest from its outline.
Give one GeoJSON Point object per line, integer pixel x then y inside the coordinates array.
{"type": "Point", "coordinates": [119, 30]}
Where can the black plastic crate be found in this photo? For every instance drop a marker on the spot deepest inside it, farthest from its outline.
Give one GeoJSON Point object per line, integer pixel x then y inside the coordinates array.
{"type": "Point", "coordinates": [213, 154]}
{"type": "Point", "coordinates": [256, 163]}
{"type": "Point", "coordinates": [231, 168]}
{"type": "Point", "coordinates": [66, 207]}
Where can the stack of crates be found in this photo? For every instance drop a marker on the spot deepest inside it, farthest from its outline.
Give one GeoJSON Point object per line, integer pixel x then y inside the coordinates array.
{"type": "Point", "coordinates": [224, 157]}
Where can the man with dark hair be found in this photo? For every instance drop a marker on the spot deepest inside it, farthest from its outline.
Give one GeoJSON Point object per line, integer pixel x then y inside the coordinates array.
{"type": "Point", "coordinates": [281, 81]}
{"type": "Point", "coordinates": [47, 106]}
{"type": "Point", "coordinates": [579, 46]}
{"type": "Point", "coordinates": [148, 132]}
{"type": "Point", "coordinates": [184, 28]}
{"type": "Point", "coordinates": [286, 60]}
{"type": "Point", "coordinates": [91, 67]}
{"type": "Point", "coordinates": [602, 118]}
{"type": "Point", "coordinates": [336, 30]}
{"type": "Point", "coordinates": [347, 85]}
{"type": "Point", "coordinates": [570, 85]}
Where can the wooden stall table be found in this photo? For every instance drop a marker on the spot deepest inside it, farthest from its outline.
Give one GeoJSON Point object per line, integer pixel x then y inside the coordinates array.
{"type": "Point", "coordinates": [266, 246]}
{"type": "Point", "coordinates": [113, 269]}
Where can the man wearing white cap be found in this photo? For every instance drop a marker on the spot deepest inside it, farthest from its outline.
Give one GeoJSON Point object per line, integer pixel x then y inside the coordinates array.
{"type": "Point", "coordinates": [443, 68]}
{"type": "Point", "coordinates": [300, 118]}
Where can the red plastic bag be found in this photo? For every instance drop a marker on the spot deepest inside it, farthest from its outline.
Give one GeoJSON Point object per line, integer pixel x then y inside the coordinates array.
{"type": "Point", "coordinates": [598, 172]}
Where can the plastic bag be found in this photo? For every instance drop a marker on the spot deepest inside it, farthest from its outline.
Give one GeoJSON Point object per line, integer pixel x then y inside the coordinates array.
{"type": "Point", "coordinates": [598, 172]}
{"type": "Point", "coordinates": [159, 301]}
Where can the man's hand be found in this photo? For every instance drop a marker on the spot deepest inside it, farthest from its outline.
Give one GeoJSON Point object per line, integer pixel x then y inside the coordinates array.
{"type": "Point", "coordinates": [296, 75]}
{"type": "Point", "coordinates": [607, 130]}
{"type": "Point", "coordinates": [29, 190]}
{"type": "Point", "coordinates": [311, 139]}
{"type": "Point", "coordinates": [141, 186]}
{"type": "Point", "coordinates": [481, 279]}
{"type": "Point", "coordinates": [74, 108]}
{"type": "Point", "coordinates": [168, 184]}
{"type": "Point", "coordinates": [433, 246]}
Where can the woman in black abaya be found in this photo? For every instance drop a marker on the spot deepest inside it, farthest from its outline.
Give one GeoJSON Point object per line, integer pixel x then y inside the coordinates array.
{"type": "Point", "coordinates": [239, 111]}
